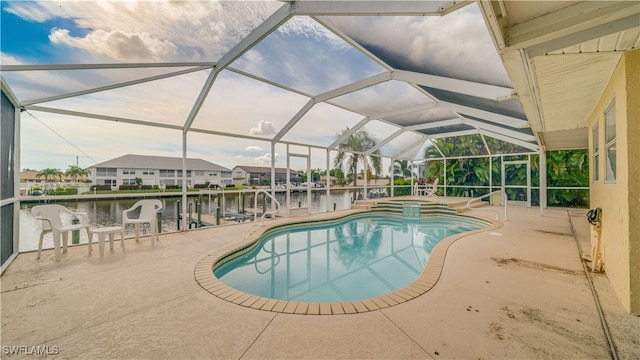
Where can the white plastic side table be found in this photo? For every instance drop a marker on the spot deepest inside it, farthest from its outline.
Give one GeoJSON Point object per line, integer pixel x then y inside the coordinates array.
{"type": "Point", "coordinates": [102, 232]}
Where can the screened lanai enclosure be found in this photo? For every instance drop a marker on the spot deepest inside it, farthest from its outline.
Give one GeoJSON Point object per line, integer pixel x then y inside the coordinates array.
{"type": "Point", "coordinates": [288, 84]}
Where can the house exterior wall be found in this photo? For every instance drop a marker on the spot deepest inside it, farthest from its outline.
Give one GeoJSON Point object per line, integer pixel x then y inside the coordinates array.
{"type": "Point", "coordinates": [166, 177]}
{"type": "Point", "coordinates": [619, 200]}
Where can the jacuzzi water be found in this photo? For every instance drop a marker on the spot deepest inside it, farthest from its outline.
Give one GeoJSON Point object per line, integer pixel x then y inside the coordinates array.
{"type": "Point", "coordinates": [361, 257]}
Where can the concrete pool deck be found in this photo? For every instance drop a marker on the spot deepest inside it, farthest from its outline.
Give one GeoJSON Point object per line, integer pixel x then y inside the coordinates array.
{"type": "Point", "coordinates": [518, 292]}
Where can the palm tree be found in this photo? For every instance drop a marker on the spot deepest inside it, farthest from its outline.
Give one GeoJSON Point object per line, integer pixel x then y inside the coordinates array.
{"type": "Point", "coordinates": [49, 173]}
{"type": "Point", "coordinates": [76, 172]}
{"type": "Point", "coordinates": [401, 168]}
{"type": "Point", "coordinates": [352, 151]}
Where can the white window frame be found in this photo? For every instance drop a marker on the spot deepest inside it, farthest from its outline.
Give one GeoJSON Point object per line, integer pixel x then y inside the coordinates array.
{"type": "Point", "coordinates": [596, 152]}
{"type": "Point", "coordinates": [610, 115]}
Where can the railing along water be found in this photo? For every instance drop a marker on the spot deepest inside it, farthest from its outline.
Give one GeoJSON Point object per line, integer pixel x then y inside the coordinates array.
{"type": "Point", "coordinates": [503, 198]}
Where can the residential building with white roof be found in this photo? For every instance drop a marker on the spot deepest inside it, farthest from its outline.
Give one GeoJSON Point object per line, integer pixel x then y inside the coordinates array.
{"type": "Point", "coordinates": [158, 170]}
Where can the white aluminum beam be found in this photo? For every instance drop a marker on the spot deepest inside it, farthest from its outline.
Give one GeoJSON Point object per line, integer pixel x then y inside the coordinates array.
{"type": "Point", "coordinates": [375, 8]}
{"type": "Point", "coordinates": [435, 124]}
{"type": "Point", "coordinates": [114, 86]}
{"type": "Point", "coordinates": [355, 86]}
{"type": "Point", "coordinates": [386, 140]}
{"type": "Point", "coordinates": [267, 81]}
{"type": "Point", "coordinates": [348, 133]}
{"type": "Point", "coordinates": [44, 67]}
{"type": "Point", "coordinates": [101, 117]}
{"type": "Point", "coordinates": [293, 121]}
{"type": "Point", "coordinates": [497, 129]}
{"type": "Point", "coordinates": [226, 134]}
{"type": "Point", "coordinates": [455, 133]}
{"type": "Point", "coordinates": [486, 115]}
{"type": "Point", "coordinates": [508, 139]}
{"type": "Point", "coordinates": [405, 110]}
{"type": "Point", "coordinates": [262, 31]}
{"type": "Point", "coordinates": [411, 146]}
{"type": "Point", "coordinates": [465, 87]}
{"type": "Point", "coordinates": [7, 90]}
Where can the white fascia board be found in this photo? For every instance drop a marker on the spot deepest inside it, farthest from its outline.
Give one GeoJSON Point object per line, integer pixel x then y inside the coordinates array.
{"type": "Point", "coordinates": [405, 110]}
{"type": "Point", "coordinates": [114, 86]}
{"type": "Point", "coordinates": [368, 8]}
{"type": "Point", "coordinates": [486, 115]}
{"type": "Point", "coordinates": [572, 19]}
{"type": "Point", "coordinates": [435, 124]}
{"type": "Point", "coordinates": [584, 35]}
{"type": "Point", "coordinates": [45, 67]}
{"type": "Point", "coordinates": [470, 88]}
{"type": "Point", "coordinates": [509, 139]}
{"type": "Point", "coordinates": [499, 130]}
{"type": "Point", "coordinates": [102, 117]}
{"type": "Point", "coordinates": [348, 133]}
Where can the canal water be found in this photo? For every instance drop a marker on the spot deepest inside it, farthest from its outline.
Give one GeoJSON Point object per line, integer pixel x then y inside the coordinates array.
{"type": "Point", "coordinates": [109, 212]}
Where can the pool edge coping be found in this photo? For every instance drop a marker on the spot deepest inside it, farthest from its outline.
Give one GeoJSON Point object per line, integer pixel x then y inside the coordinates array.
{"type": "Point", "coordinates": [428, 278]}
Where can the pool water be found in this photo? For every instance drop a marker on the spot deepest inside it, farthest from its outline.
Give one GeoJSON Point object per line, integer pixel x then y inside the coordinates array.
{"type": "Point", "coordinates": [357, 258]}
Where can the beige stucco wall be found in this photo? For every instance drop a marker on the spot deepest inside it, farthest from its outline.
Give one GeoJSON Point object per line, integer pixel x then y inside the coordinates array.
{"type": "Point", "coordinates": [619, 200]}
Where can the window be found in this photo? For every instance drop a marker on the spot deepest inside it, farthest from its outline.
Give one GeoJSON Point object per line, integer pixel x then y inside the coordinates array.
{"type": "Point", "coordinates": [167, 173]}
{"type": "Point", "coordinates": [128, 181]}
{"type": "Point", "coordinates": [213, 174]}
{"type": "Point", "coordinates": [106, 172]}
{"type": "Point", "coordinates": [148, 172]}
{"type": "Point", "coordinates": [596, 152]}
{"type": "Point", "coordinates": [610, 142]}
{"type": "Point", "coordinates": [199, 172]}
{"type": "Point", "coordinates": [128, 171]}
{"type": "Point", "coordinates": [180, 173]}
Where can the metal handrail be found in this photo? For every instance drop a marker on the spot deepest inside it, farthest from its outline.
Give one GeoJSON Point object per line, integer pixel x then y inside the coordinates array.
{"type": "Point", "coordinates": [504, 201]}
{"type": "Point", "coordinates": [255, 206]}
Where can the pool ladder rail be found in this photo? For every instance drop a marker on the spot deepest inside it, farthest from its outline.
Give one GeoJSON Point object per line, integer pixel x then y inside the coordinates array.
{"type": "Point", "coordinates": [271, 212]}
{"type": "Point", "coordinates": [503, 198]}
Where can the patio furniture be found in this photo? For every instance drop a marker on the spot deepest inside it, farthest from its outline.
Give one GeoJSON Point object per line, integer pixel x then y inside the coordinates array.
{"type": "Point", "coordinates": [432, 188]}
{"type": "Point", "coordinates": [58, 220]}
{"type": "Point", "coordinates": [147, 215]}
{"type": "Point", "coordinates": [102, 232]}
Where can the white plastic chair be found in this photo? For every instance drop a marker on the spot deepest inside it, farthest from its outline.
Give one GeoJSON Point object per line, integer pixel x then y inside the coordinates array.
{"type": "Point", "coordinates": [432, 188]}
{"type": "Point", "coordinates": [148, 211]}
{"type": "Point", "coordinates": [53, 222]}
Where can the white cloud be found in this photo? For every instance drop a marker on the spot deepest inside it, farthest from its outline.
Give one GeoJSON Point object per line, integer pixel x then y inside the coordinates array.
{"type": "Point", "coordinates": [263, 128]}
{"type": "Point", "coordinates": [254, 148]}
{"type": "Point", "coordinates": [118, 45]}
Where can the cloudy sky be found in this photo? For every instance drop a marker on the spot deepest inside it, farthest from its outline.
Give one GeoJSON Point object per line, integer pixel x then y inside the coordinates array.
{"type": "Point", "coordinates": [301, 55]}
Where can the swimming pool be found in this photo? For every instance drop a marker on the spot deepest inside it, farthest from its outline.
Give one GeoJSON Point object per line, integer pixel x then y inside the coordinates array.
{"type": "Point", "coordinates": [359, 257]}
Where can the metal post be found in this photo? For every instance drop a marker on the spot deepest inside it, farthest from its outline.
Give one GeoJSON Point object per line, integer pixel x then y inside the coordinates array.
{"type": "Point", "coordinates": [178, 217]}
{"type": "Point", "coordinates": [199, 211]}
{"type": "Point", "coordinates": [75, 234]}
{"type": "Point", "coordinates": [190, 219]}
{"type": "Point", "coordinates": [218, 210]}
{"type": "Point", "coordinates": [159, 221]}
